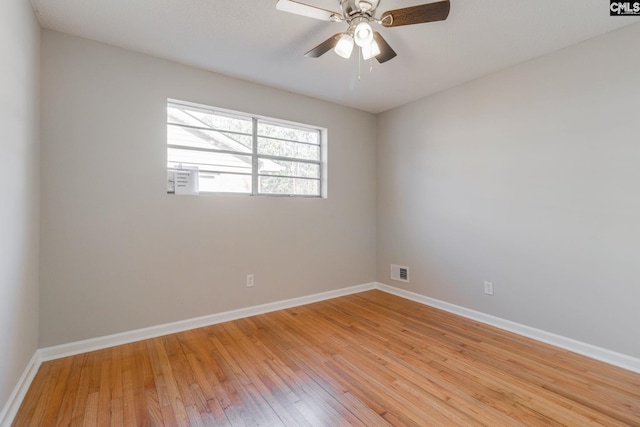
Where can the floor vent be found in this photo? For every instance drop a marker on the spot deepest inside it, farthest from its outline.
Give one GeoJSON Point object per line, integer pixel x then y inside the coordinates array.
{"type": "Point", "coordinates": [399, 273]}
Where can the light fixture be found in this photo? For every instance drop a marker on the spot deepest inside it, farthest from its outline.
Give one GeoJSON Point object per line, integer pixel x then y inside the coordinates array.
{"type": "Point", "coordinates": [344, 46]}
{"type": "Point", "coordinates": [363, 34]}
{"type": "Point", "coordinates": [370, 50]}
{"type": "Point", "coordinates": [360, 33]}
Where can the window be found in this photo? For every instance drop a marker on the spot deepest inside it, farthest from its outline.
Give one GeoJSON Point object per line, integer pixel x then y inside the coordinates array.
{"type": "Point", "coordinates": [243, 154]}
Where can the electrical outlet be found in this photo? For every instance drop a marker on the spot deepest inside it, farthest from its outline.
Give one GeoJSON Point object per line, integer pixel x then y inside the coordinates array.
{"type": "Point", "coordinates": [488, 287]}
{"type": "Point", "coordinates": [249, 280]}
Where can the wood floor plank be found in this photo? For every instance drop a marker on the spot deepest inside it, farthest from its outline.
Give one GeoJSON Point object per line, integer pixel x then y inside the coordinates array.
{"type": "Point", "coordinates": [34, 410]}
{"type": "Point", "coordinates": [369, 359]}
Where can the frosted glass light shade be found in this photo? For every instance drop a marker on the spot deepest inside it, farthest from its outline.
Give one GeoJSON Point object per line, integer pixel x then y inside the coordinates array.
{"type": "Point", "coordinates": [370, 50]}
{"type": "Point", "coordinates": [363, 34]}
{"type": "Point", "coordinates": [344, 46]}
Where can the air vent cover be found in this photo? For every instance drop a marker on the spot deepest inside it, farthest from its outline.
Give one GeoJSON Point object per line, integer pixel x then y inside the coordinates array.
{"type": "Point", "coordinates": [399, 273]}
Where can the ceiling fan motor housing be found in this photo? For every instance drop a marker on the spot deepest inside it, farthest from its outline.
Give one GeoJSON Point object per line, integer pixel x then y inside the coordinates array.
{"type": "Point", "coordinates": [353, 8]}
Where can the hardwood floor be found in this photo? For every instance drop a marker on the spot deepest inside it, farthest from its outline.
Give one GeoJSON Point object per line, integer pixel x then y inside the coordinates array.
{"type": "Point", "coordinates": [370, 359]}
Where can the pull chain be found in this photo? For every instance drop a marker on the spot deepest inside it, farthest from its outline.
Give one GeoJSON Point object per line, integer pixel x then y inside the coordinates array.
{"type": "Point", "coordinates": [359, 55]}
{"type": "Point", "coordinates": [360, 64]}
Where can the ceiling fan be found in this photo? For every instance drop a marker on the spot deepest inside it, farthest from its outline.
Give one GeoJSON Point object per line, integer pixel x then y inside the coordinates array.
{"type": "Point", "coordinates": [360, 14]}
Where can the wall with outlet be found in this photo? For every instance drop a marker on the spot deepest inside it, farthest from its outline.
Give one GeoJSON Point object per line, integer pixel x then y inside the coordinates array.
{"type": "Point", "coordinates": [113, 241]}
{"type": "Point", "coordinates": [527, 178]}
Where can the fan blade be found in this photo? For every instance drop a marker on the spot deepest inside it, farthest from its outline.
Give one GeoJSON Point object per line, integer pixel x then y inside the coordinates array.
{"type": "Point", "coordinates": [429, 12]}
{"type": "Point", "coordinates": [324, 47]}
{"type": "Point", "coordinates": [386, 53]}
{"type": "Point", "coordinates": [298, 8]}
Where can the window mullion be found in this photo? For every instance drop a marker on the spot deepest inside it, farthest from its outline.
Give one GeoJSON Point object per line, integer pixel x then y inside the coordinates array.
{"type": "Point", "coordinates": [291, 159]}
{"type": "Point", "coordinates": [254, 158]}
{"type": "Point", "coordinates": [208, 129]}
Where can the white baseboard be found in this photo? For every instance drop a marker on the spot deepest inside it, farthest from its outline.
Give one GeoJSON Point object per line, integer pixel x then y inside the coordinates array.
{"type": "Point", "coordinates": [78, 347]}
{"type": "Point", "coordinates": [10, 409]}
{"type": "Point", "coordinates": [589, 350]}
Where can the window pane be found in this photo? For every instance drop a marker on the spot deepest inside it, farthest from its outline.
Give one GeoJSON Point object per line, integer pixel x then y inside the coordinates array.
{"type": "Point", "coordinates": [294, 150]}
{"type": "Point", "coordinates": [198, 138]}
{"type": "Point", "coordinates": [287, 132]}
{"type": "Point", "coordinates": [192, 116]}
{"type": "Point", "coordinates": [294, 169]}
{"type": "Point", "coordinates": [224, 183]}
{"type": "Point", "coordinates": [224, 146]}
{"type": "Point", "coordinates": [208, 161]}
{"type": "Point", "coordinates": [297, 186]}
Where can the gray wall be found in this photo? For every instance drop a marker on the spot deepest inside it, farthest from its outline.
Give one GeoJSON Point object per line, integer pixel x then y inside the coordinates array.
{"type": "Point", "coordinates": [19, 175]}
{"type": "Point", "coordinates": [530, 178]}
{"type": "Point", "coordinates": [118, 253]}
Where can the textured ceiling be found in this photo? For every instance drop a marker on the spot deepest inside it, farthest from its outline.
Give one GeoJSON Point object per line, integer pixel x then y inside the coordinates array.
{"type": "Point", "coordinates": [250, 39]}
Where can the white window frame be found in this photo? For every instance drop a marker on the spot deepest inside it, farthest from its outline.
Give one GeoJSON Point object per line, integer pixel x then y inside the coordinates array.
{"type": "Point", "coordinates": [255, 156]}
